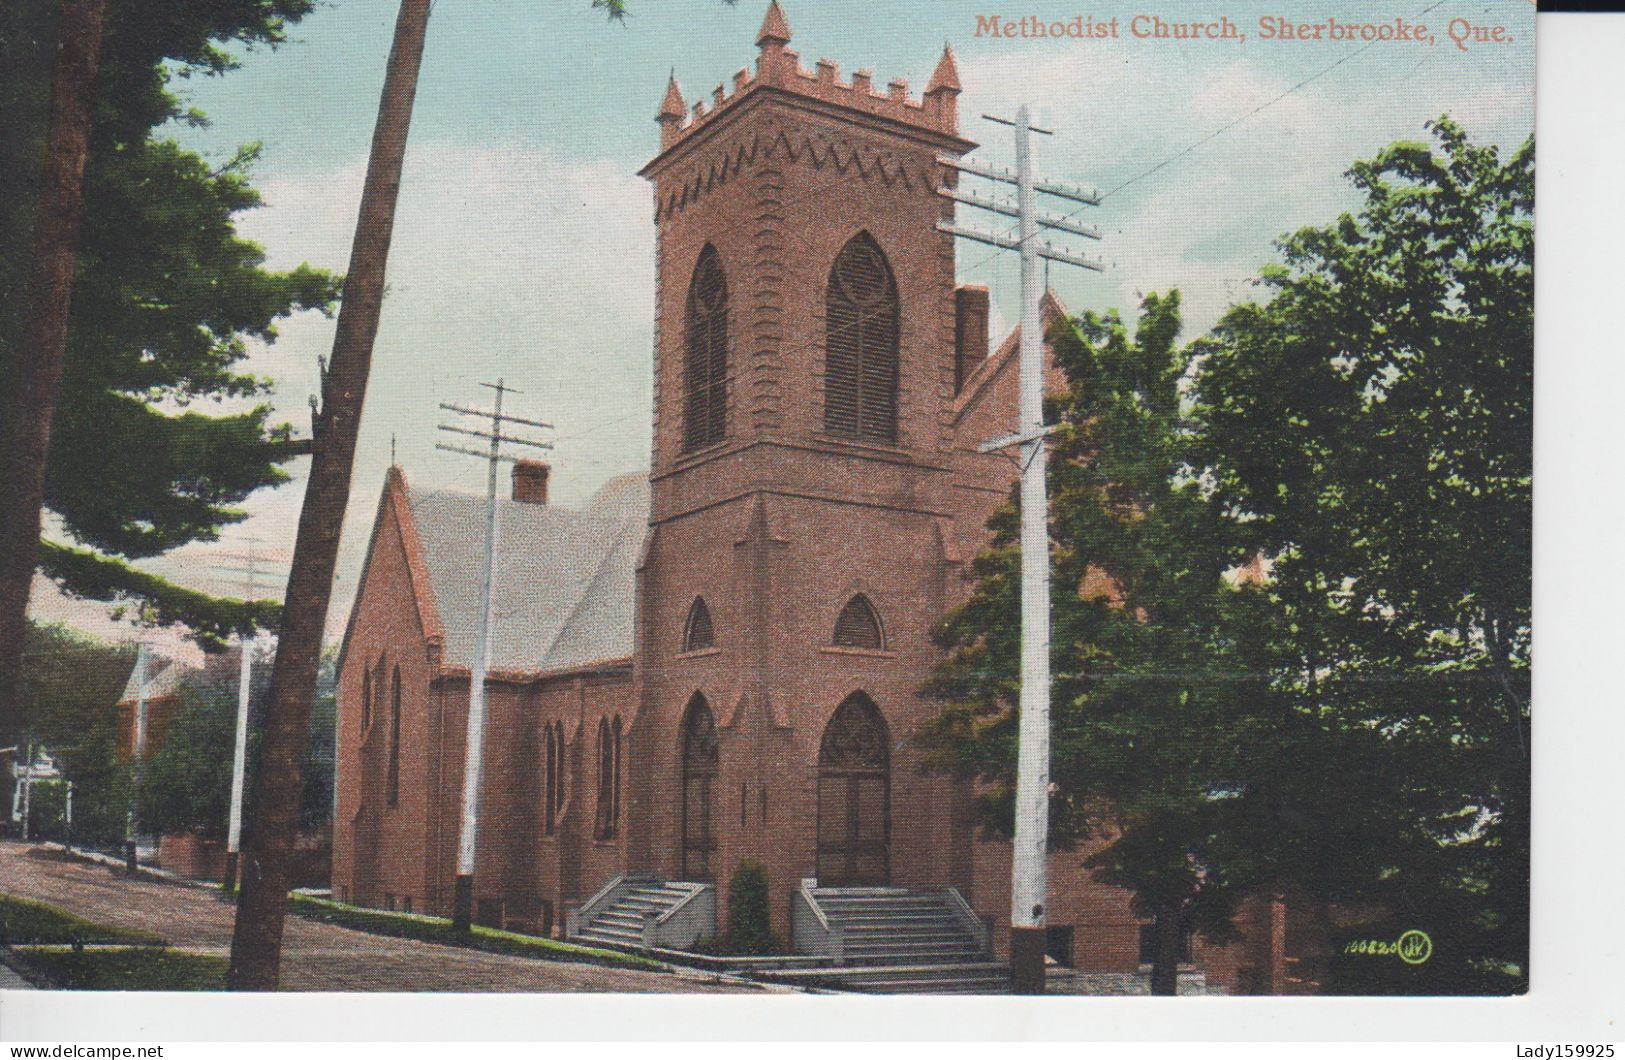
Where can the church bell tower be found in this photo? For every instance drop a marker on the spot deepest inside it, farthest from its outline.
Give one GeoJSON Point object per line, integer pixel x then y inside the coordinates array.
{"type": "Point", "coordinates": [805, 375]}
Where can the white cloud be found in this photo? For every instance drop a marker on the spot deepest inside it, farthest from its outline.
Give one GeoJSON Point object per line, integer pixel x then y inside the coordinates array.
{"type": "Point", "coordinates": [1207, 219]}
{"type": "Point", "coordinates": [507, 261]}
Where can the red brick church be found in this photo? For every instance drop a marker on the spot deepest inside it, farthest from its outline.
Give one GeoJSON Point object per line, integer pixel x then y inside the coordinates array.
{"type": "Point", "coordinates": [722, 660]}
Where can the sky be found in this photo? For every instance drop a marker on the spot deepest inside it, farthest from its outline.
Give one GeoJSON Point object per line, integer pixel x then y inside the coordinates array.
{"type": "Point", "coordinates": [524, 240]}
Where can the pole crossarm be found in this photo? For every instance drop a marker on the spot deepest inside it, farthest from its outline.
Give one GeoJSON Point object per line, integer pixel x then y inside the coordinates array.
{"type": "Point", "coordinates": [1011, 123]}
{"type": "Point", "coordinates": [1044, 249]}
{"type": "Point", "coordinates": [500, 417]}
{"type": "Point", "coordinates": [1074, 192]}
{"type": "Point", "coordinates": [1005, 441]}
{"type": "Point", "coordinates": [1045, 220]}
{"type": "Point", "coordinates": [495, 437]}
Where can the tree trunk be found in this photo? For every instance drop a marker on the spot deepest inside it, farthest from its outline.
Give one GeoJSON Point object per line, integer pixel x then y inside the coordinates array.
{"type": "Point", "coordinates": [1169, 936]}
{"type": "Point", "coordinates": [37, 368]}
{"type": "Point", "coordinates": [271, 817]}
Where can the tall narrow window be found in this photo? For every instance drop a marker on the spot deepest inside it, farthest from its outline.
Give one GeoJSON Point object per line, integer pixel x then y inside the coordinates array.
{"type": "Point", "coordinates": [378, 688]}
{"type": "Point", "coordinates": [607, 781]}
{"type": "Point", "coordinates": [558, 776]}
{"type": "Point", "coordinates": [861, 322]}
{"type": "Point", "coordinates": [393, 788]}
{"type": "Point", "coordinates": [705, 383]}
{"type": "Point", "coordinates": [697, 632]}
{"type": "Point", "coordinates": [615, 788]}
{"type": "Point", "coordinates": [553, 777]}
{"type": "Point", "coordinates": [858, 626]}
{"type": "Point", "coordinates": [366, 701]}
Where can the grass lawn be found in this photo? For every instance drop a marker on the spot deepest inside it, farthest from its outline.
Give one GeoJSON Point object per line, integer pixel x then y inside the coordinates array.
{"type": "Point", "coordinates": [438, 929]}
{"type": "Point", "coordinates": [24, 921]}
{"type": "Point", "coordinates": [133, 968]}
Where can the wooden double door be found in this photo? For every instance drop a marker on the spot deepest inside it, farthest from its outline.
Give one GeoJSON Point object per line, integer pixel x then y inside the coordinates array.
{"type": "Point", "coordinates": [854, 797]}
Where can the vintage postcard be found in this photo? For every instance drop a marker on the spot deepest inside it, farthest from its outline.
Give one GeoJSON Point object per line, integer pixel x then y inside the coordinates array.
{"type": "Point", "coordinates": [805, 496]}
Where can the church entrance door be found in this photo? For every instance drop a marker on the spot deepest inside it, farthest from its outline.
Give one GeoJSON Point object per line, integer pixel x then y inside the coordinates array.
{"type": "Point", "coordinates": [854, 797]}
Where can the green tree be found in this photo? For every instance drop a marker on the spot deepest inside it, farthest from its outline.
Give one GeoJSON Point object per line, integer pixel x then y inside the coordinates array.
{"type": "Point", "coordinates": [71, 684]}
{"type": "Point", "coordinates": [186, 786]}
{"type": "Point", "coordinates": [157, 433]}
{"type": "Point", "coordinates": [1158, 705]}
{"type": "Point", "coordinates": [1370, 424]}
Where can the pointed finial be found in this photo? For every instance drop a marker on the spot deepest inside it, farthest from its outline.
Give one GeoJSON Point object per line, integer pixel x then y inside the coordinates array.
{"type": "Point", "coordinates": [775, 27]}
{"type": "Point", "coordinates": [672, 107]}
{"type": "Point", "coordinates": [946, 76]}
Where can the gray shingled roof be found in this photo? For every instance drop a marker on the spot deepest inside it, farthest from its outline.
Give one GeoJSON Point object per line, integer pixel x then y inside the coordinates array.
{"type": "Point", "coordinates": [563, 579]}
{"type": "Point", "coordinates": [164, 678]}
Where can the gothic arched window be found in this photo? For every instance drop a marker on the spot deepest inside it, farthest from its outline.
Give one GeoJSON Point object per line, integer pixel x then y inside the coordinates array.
{"type": "Point", "coordinates": [861, 329]}
{"type": "Point", "coordinates": [609, 781]}
{"type": "Point", "coordinates": [697, 632]}
{"type": "Point", "coordinates": [554, 778]}
{"type": "Point", "coordinates": [392, 789]}
{"type": "Point", "coordinates": [705, 364]}
{"type": "Point", "coordinates": [858, 626]}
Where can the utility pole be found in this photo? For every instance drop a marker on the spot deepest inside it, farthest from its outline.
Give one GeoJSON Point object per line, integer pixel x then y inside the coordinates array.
{"type": "Point", "coordinates": [1028, 885]}
{"type": "Point", "coordinates": [462, 916]}
{"type": "Point", "coordinates": [28, 785]}
{"type": "Point", "coordinates": [138, 747]}
{"type": "Point", "coordinates": [245, 673]}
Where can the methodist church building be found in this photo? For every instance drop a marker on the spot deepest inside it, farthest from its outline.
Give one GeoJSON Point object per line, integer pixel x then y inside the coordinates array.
{"type": "Point", "coordinates": [723, 660]}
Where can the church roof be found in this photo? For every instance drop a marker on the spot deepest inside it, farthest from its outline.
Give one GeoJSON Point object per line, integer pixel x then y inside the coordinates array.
{"type": "Point", "coordinates": [563, 578]}
{"type": "Point", "coordinates": [164, 677]}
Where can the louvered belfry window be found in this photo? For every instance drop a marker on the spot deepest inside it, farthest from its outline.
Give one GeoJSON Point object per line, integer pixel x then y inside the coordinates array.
{"type": "Point", "coordinates": [861, 344]}
{"type": "Point", "coordinates": [858, 626]}
{"type": "Point", "coordinates": [705, 382]}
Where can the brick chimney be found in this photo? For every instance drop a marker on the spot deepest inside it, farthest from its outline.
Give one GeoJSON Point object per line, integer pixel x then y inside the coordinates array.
{"type": "Point", "coordinates": [530, 481]}
{"type": "Point", "coordinates": [970, 331]}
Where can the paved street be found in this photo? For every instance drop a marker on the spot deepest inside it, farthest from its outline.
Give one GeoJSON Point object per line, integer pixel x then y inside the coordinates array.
{"type": "Point", "coordinates": [315, 956]}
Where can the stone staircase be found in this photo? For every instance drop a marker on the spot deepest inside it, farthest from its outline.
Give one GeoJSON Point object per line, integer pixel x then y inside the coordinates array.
{"type": "Point", "coordinates": [620, 921]}
{"type": "Point", "coordinates": [895, 940]}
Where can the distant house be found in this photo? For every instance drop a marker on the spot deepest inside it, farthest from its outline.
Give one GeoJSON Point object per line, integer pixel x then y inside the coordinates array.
{"type": "Point", "coordinates": [164, 680]}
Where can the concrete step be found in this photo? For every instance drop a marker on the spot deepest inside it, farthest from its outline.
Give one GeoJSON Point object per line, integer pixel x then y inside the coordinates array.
{"type": "Point", "coordinates": [899, 955]}
{"type": "Point", "coordinates": [620, 931]}
{"type": "Point", "coordinates": [619, 919]}
{"type": "Point", "coordinates": [886, 925]}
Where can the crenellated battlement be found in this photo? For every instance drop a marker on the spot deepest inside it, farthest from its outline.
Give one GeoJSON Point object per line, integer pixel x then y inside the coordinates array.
{"type": "Point", "coordinates": [779, 67]}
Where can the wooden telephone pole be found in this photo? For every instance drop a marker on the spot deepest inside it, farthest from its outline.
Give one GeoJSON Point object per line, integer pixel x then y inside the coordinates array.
{"type": "Point", "coordinates": [1028, 883]}
{"type": "Point", "coordinates": [462, 917]}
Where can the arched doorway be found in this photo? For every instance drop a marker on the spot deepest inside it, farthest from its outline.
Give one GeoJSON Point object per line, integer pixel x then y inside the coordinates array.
{"type": "Point", "coordinates": [699, 749]}
{"type": "Point", "coordinates": [854, 797]}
